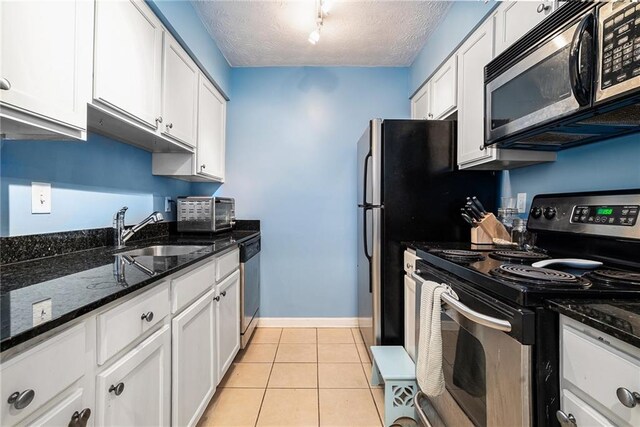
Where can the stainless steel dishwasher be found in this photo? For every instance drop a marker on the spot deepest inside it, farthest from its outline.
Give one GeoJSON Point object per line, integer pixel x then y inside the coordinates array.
{"type": "Point", "coordinates": [249, 287]}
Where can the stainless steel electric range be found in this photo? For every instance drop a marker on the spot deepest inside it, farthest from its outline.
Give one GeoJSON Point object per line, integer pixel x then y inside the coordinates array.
{"type": "Point", "coordinates": [500, 342]}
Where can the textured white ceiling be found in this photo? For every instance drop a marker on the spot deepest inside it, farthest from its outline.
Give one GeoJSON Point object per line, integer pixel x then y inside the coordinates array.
{"type": "Point", "coordinates": [357, 32]}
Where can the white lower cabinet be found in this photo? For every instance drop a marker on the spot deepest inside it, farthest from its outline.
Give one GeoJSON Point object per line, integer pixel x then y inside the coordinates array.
{"type": "Point", "coordinates": [228, 322]}
{"type": "Point", "coordinates": [135, 390]}
{"type": "Point", "coordinates": [595, 368]}
{"type": "Point", "coordinates": [193, 372]}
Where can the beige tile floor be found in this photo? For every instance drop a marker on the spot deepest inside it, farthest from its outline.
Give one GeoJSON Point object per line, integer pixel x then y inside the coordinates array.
{"type": "Point", "coordinates": [298, 377]}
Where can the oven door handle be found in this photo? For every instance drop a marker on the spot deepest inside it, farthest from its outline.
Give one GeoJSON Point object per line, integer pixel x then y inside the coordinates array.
{"type": "Point", "coordinates": [423, 417]}
{"type": "Point", "coordinates": [449, 299]}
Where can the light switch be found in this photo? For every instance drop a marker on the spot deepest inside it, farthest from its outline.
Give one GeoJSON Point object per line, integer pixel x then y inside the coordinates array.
{"type": "Point", "coordinates": [40, 198]}
{"type": "Point", "coordinates": [522, 202]}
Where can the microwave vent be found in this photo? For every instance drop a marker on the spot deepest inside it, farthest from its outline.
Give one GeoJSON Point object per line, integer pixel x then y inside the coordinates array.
{"type": "Point", "coordinates": [627, 116]}
{"type": "Point", "coordinates": [551, 138]}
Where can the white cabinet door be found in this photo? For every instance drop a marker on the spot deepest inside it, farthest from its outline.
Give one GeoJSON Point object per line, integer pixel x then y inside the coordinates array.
{"type": "Point", "coordinates": [584, 414]}
{"type": "Point", "coordinates": [128, 59]}
{"type": "Point", "coordinates": [194, 367]}
{"type": "Point", "coordinates": [443, 90]}
{"type": "Point", "coordinates": [515, 18]}
{"type": "Point", "coordinates": [420, 103]}
{"type": "Point", "coordinates": [180, 93]}
{"type": "Point", "coordinates": [473, 55]}
{"type": "Point", "coordinates": [410, 316]}
{"type": "Point", "coordinates": [46, 59]}
{"type": "Point", "coordinates": [144, 375]}
{"type": "Point", "coordinates": [228, 322]}
{"type": "Point", "coordinates": [212, 116]}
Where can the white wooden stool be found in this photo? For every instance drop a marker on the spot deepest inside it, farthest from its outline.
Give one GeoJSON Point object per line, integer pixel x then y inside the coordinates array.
{"type": "Point", "coordinates": [393, 366]}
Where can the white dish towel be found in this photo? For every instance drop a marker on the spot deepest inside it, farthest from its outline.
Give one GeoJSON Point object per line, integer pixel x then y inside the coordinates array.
{"type": "Point", "coordinates": [429, 367]}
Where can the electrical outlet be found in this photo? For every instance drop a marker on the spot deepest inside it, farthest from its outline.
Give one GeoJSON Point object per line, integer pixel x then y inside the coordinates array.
{"type": "Point", "coordinates": [167, 204]}
{"type": "Point", "coordinates": [40, 198]}
{"type": "Point", "coordinates": [41, 311]}
{"type": "Point", "coordinates": [522, 202]}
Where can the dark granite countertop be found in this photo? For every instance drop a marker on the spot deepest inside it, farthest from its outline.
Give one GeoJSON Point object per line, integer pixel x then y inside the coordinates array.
{"type": "Point", "coordinates": [619, 318]}
{"type": "Point", "coordinates": [83, 281]}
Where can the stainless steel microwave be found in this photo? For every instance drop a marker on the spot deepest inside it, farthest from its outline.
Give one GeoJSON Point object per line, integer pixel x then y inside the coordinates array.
{"type": "Point", "coordinates": [573, 79]}
{"type": "Point", "coordinates": [206, 214]}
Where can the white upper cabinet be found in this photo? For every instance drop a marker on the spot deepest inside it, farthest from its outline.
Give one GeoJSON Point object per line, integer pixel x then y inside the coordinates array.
{"type": "Point", "coordinates": [180, 93]}
{"type": "Point", "coordinates": [515, 18]}
{"type": "Point", "coordinates": [437, 98]}
{"type": "Point", "coordinates": [420, 103]}
{"type": "Point", "coordinates": [444, 84]}
{"type": "Point", "coordinates": [473, 55]}
{"type": "Point", "coordinates": [46, 57]}
{"type": "Point", "coordinates": [212, 114]}
{"type": "Point", "coordinates": [128, 60]}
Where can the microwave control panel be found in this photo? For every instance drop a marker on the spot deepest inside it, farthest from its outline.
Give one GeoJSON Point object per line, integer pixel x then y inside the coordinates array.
{"type": "Point", "coordinates": [621, 45]}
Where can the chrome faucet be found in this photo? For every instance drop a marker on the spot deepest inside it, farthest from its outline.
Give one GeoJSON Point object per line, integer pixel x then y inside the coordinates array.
{"type": "Point", "coordinates": [123, 234]}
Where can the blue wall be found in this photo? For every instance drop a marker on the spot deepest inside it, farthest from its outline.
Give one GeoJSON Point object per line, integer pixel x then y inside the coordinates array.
{"type": "Point", "coordinates": [89, 182]}
{"type": "Point", "coordinates": [460, 20]}
{"type": "Point", "coordinates": [185, 24]}
{"type": "Point", "coordinates": [291, 162]}
{"type": "Point", "coordinates": [607, 165]}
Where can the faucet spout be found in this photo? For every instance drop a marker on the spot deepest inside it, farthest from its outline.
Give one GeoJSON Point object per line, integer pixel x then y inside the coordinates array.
{"type": "Point", "coordinates": [122, 234]}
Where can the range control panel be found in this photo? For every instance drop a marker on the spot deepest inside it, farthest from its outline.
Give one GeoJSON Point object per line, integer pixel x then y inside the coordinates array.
{"type": "Point", "coordinates": [621, 45]}
{"type": "Point", "coordinates": [625, 215]}
{"type": "Point", "coordinates": [607, 214]}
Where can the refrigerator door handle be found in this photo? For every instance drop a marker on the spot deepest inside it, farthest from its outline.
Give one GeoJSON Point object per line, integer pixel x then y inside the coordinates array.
{"type": "Point", "coordinates": [366, 240]}
{"type": "Point", "coordinates": [364, 180]}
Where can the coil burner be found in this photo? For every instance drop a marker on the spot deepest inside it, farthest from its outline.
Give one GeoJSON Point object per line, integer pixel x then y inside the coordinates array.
{"type": "Point", "coordinates": [518, 256]}
{"type": "Point", "coordinates": [526, 274]}
{"type": "Point", "coordinates": [458, 255]}
{"type": "Point", "coordinates": [616, 277]}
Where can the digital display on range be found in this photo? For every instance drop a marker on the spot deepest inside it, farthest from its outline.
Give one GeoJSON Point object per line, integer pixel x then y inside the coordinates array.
{"type": "Point", "coordinates": [606, 215]}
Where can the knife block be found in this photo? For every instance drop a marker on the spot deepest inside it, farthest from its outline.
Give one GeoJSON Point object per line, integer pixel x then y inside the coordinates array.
{"type": "Point", "coordinates": [487, 230]}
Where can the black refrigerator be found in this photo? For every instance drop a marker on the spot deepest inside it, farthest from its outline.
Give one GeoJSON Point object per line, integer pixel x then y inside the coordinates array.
{"type": "Point", "coordinates": [409, 189]}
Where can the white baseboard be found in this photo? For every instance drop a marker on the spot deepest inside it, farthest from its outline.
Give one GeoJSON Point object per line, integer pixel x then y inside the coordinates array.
{"type": "Point", "coordinates": [308, 322]}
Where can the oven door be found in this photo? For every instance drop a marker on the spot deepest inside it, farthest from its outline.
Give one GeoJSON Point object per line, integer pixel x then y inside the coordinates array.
{"type": "Point", "coordinates": [487, 371]}
{"type": "Point", "coordinates": [224, 214]}
{"type": "Point", "coordinates": [550, 82]}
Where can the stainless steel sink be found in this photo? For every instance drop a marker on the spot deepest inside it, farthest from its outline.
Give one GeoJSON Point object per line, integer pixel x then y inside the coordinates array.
{"type": "Point", "coordinates": [163, 250]}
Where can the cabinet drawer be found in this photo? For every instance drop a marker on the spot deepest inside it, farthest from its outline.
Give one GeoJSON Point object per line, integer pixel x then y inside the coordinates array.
{"type": "Point", "coordinates": [61, 414]}
{"type": "Point", "coordinates": [227, 263]}
{"type": "Point", "coordinates": [190, 286]}
{"type": "Point", "coordinates": [584, 414]}
{"type": "Point", "coordinates": [599, 370]}
{"type": "Point", "coordinates": [121, 325]}
{"type": "Point", "coordinates": [410, 260]}
{"type": "Point", "coordinates": [47, 369]}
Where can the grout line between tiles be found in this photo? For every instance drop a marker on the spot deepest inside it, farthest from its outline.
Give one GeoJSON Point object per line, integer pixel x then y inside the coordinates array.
{"type": "Point", "coordinates": [318, 373]}
{"type": "Point", "coordinates": [266, 386]}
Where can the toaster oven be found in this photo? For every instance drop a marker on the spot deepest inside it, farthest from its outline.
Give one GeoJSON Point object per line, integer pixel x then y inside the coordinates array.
{"type": "Point", "coordinates": [206, 214]}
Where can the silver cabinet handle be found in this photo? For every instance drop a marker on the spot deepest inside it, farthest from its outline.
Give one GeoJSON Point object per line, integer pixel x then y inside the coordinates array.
{"type": "Point", "coordinates": [216, 298]}
{"type": "Point", "coordinates": [482, 147]}
{"type": "Point", "coordinates": [5, 84]}
{"type": "Point", "coordinates": [430, 115]}
{"type": "Point", "coordinates": [169, 126]}
{"type": "Point", "coordinates": [630, 399]}
{"type": "Point", "coordinates": [223, 293]}
{"type": "Point", "coordinates": [474, 316]}
{"type": "Point", "coordinates": [147, 316]}
{"type": "Point", "coordinates": [202, 166]}
{"type": "Point", "coordinates": [21, 400]}
{"type": "Point", "coordinates": [543, 8]}
{"type": "Point", "coordinates": [117, 389]}
{"type": "Point", "coordinates": [79, 419]}
{"type": "Point", "coordinates": [566, 420]}
{"type": "Point", "coordinates": [158, 119]}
